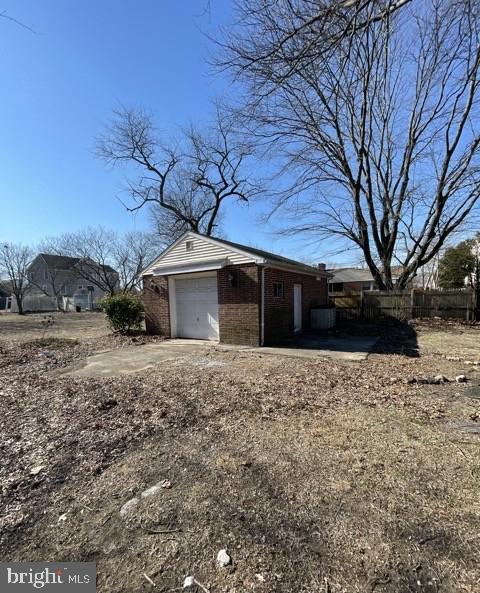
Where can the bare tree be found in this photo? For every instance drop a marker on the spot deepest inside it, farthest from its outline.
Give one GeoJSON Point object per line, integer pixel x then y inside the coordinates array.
{"type": "Point", "coordinates": [186, 185]}
{"type": "Point", "coordinates": [106, 260]}
{"type": "Point", "coordinates": [131, 255]}
{"type": "Point", "coordinates": [94, 247]}
{"type": "Point", "coordinates": [288, 33]}
{"type": "Point", "coordinates": [6, 16]}
{"type": "Point", "coordinates": [53, 283]}
{"type": "Point", "coordinates": [378, 121]}
{"type": "Point", "coordinates": [14, 262]}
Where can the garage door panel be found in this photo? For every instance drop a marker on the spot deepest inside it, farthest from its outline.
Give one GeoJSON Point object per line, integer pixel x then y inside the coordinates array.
{"type": "Point", "coordinates": [197, 308]}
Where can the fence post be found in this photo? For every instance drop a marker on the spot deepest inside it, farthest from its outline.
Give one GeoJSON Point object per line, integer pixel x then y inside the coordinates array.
{"type": "Point", "coordinates": [361, 305]}
{"type": "Point", "coordinates": [412, 303]}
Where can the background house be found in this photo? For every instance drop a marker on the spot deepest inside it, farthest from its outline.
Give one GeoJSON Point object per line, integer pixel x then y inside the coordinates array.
{"type": "Point", "coordinates": [207, 288]}
{"type": "Point", "coordinates": [348, 280]}
{"type": "Point", "coordinates": [63, 282]}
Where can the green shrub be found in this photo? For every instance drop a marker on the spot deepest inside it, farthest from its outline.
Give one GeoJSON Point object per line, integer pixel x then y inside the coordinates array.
{"type": "Point", "coordinates": [124, 312]}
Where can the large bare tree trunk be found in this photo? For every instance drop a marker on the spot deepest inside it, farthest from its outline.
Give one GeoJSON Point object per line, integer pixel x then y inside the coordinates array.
{"type": "Point", "coordinates": [374, 112]}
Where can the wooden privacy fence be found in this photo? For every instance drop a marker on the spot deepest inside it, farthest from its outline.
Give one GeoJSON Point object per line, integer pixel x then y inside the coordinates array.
{"type": "Point", "coordinates": [404, 305]}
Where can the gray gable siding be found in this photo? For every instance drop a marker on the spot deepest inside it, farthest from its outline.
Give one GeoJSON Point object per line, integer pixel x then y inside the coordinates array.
{"type": "Point", "coordinates": [55, 281]}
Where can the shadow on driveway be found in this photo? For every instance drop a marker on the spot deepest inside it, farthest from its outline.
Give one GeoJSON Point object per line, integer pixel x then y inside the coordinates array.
{"type": "Point", "coordinates": [355, 341]}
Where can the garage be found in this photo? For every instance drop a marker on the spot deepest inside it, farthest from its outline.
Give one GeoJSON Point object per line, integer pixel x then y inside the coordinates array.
{"type": "Point", "coordinates": [196, 303]}
{"type": "Point", "coordinates": [207, 288]}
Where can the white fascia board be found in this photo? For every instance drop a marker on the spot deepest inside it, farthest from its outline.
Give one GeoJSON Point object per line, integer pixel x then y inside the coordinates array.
{"type": "Point", "coordinates": [200, 266]}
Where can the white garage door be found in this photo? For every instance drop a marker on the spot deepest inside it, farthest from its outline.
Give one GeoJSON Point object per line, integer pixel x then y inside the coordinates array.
{"type": "Point", "coordinates": [197, 308]}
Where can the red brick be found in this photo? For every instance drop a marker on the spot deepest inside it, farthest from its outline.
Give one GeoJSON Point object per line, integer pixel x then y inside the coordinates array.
{"type": "Point", "coordinates": [279, 311]}
{"type": "Point", "coordinates": [155, 302]}
{"type": "Point", "coordinates": [239, 303]}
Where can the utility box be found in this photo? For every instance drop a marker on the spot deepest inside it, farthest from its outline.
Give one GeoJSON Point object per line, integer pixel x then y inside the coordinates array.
{"type": "Point", "coordinates": [323, 318]}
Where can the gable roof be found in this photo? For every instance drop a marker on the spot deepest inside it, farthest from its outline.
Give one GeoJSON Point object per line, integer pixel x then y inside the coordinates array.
{"type": "Point", "coordinates": [59, 262]}
{"type": "Point", "coordinates": [258, 256]}
{"type": "Point", "coordinates": [65, 262]}
{"type": "Point", "coordinates": [271, 257]}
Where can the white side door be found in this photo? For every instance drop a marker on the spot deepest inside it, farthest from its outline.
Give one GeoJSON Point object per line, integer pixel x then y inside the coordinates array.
{"type": "Point", "coordinates": [297, 308]}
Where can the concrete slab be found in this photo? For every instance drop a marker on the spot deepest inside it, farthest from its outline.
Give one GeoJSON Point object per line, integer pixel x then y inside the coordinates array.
{"type": "Point", "coordinates": [134, 359]}
{"type": "Point", "coordinates": [353, 349]}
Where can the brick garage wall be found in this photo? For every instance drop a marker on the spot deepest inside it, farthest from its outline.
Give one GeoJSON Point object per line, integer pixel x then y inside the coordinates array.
{"type": "Point", "coordinates": [279, 311]}
{"type": "Point", "coordinates": [239, 305]}
{"type": "Point", "coordinates": [155, 301]}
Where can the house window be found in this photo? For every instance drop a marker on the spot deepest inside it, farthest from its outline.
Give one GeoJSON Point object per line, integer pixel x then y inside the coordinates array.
{"type": "Point", "coordinates": [90, 288]}
{"type": "Point", "coordinates": [278, 290]}
{"type": "Point", "coordinates": [336, 287]}
{"type": "Point", "coordinates": [189, 245]}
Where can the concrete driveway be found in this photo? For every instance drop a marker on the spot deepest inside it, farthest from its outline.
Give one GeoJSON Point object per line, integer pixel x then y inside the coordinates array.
{"type": "Point", "coordinates": [135, 359]}
{"type": "Point", "coordinates": [352, 348]}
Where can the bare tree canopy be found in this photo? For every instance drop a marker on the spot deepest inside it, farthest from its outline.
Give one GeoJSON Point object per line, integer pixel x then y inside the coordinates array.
{"type": "Point", "coordinates": [14, 262]}
{"type": "Point", "coordinates": [106, 260]}
{"type": "Point", "coordinates": [375, 111]}
{"type": "Point", "coordinates": [186, 184]}
{"type": "Point", "coordinates": [275, 38]}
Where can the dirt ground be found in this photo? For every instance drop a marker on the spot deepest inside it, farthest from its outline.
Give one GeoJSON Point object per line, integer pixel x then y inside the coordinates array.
{"type": "Point", "coordinates": [316, 476]}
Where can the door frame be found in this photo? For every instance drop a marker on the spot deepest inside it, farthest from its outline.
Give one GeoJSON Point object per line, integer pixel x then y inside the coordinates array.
{"type": "Point", "coordinates": [297, 303]}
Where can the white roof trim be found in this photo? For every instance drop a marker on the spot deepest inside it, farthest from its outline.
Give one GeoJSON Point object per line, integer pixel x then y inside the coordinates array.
{"type": "Point", "coordinates": [199, 266]}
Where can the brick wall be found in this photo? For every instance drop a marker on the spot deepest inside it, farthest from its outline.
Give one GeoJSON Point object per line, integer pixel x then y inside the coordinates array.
{"type": "Point", "coordinates": [155, 301]}
{"type": "Point", "coordinates": [239, 305]}
{"type": "Point", "coordinates": [279, 311]}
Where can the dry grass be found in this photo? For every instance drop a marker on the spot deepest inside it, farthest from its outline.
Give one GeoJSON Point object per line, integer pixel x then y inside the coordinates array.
{"type": "Point", "coordinates": [317, 476]}
{"type": "Point", "coordinates": [82, 326]}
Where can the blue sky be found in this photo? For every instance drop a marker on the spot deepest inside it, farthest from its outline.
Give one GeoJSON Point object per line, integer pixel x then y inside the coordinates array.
{"type": "Point", "coordinates": [59, 87]}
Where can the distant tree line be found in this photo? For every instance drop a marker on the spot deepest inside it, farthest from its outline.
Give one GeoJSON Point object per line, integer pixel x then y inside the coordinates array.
{"type": "Point", "coordinates": [97, 250]}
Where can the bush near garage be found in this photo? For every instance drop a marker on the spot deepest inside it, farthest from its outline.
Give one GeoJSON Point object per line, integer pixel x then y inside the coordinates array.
{"type": "Point", "coordinates": [124, 312]}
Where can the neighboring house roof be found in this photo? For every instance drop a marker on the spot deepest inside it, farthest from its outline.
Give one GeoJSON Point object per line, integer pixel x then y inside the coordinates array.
{"type": "Point", "coordinates": [357, 274]}
{"type": "Point", "coordinates": [64, 262]}
{"type": "Point", "coordinates": [235, 252]}
{"type": "Point", "coordinates": [59, 262]}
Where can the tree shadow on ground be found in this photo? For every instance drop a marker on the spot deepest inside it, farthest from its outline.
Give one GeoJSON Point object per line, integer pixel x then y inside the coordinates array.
{"type": "Point", "coordinates": [386, 337]}
{"type": "Point", "coordinates": [394, 336]}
